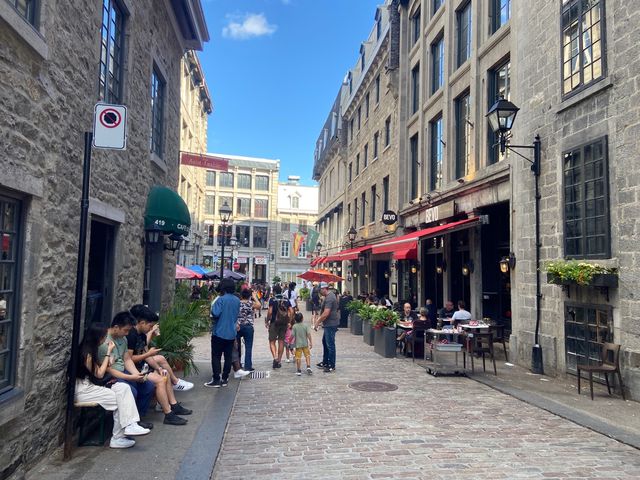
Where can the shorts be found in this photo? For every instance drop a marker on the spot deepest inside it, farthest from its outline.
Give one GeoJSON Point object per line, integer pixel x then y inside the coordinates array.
{"type": "Point", "coordinates": [277, 331]}
{"type": "Point", "coordinates": [302, 350]}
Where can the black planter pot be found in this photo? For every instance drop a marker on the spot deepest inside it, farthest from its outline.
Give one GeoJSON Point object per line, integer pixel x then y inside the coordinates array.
{"type": "Point", "coordinates": [598, 280]}
{"type": "Point", "coordinates": [385, 342]}
{"type": "Point", "coordinates": [368, 333]}
{"type": "Point", "coordinates": [356, 324]}
{"type": "Point", "coordinates": [309, 305]}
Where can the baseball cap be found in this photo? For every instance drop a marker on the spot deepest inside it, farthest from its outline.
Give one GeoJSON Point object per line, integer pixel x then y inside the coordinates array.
{"type": "Point", "coordinates": [324, 285]}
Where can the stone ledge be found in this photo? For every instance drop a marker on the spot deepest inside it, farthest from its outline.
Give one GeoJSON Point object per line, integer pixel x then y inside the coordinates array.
{"type": "Point", "coordinates": [581, 96]}
{"type": "Point", "coordinates": [25, 30]}
{"type": "Point", "coordinates": [12, 403]}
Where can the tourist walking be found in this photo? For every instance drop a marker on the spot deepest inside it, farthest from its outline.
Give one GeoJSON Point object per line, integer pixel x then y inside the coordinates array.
{"type": "Point", "coordinates": [329, 319]}
{"type": "Point", "coordinates": [303, 343]}
{"type": "Point", "coordinates": [248, 305]}
{"type": "Point", "coordinates": [278, 318]}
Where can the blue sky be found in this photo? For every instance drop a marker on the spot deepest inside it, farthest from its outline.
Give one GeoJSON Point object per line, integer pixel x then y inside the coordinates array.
{"type": "Point", "coordinates": [274, 68]}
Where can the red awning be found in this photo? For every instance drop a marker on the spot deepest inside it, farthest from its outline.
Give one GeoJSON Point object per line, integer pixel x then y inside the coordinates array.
{"type": "Point", "coordinates": [410, 240]}
{"type": "Point", "coordinates": [408, 252]}
{"type": "Point", "coordinates": [316, 261]}
{"type": "Point", "coordinates": [332, 258]}
{"type": "Point", "coordinates": [353, 253]}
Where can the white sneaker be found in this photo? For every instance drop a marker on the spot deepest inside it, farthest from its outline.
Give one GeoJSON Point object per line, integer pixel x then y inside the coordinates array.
{"type": "Point", "coordinates": [288, 360]}
{"type": "Point", "coordinates": [135, 429]}
{"type": "Point", "coordinates": [183, 385]}
{"type": "Point", "coordinates": [240, 374]}
{"type": "Point", "coordinates": [122, 442]}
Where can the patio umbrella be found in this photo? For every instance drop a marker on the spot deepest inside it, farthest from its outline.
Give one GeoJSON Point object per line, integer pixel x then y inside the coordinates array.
{"type": "Point", "coordinates": [198, 269]}
{"type": "Point", "coordinates": [227, 274]}
{"type": "Point", "coordinates": [320, 275]}
{"type": "Point", "coordinates": [183, 273]}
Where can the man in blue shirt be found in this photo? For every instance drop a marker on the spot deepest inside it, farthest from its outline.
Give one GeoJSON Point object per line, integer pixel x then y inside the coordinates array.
{"type": "Point", "coordinates": [224, 311]}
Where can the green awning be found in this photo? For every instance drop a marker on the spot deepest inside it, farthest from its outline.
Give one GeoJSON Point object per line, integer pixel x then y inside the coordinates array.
{"type": "Point", "coordinates": [166, 211]}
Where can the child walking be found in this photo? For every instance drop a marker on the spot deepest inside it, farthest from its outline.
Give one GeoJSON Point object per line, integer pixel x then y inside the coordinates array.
{"type": "Point", "coordinates": [303, 342]}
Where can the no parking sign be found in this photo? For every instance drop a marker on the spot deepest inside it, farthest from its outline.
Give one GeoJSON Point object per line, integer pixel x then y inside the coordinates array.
{"type": "Point", "coordinates": [110, 126]}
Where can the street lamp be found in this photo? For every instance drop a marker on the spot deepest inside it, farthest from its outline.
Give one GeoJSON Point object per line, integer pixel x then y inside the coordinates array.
{"type": "Point", "coordinates": [352, 233]}
{"type": "Point", "coordinates": [501, 117]}
{"type": "Point", "coordinates": [318, 248]}
{"type": "Point", "coordinates": [225, 215]}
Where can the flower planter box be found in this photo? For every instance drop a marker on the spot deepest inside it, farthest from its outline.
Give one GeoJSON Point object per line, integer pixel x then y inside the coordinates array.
{"type": "Point", "coordinates": [368, 333]}
{"type": "Point", "coordinates": [385, 342]}
{"type": "Point", "coordinates": [598, 280]}
{"type": "Point", "coordinates": [356, 324]}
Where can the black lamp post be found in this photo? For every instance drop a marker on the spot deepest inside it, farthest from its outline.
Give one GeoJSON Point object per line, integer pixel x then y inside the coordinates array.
{"type": "Point", "coordinates": [318, 248]}
{"type": "Point", "coordinates": [352, 233]}
{"type": "Point", "coordinates": [225, 215]}
{"type": "Point", "coordinates": [501, 117]}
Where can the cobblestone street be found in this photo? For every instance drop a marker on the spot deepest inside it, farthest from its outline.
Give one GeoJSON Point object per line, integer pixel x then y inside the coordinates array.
{"type": "Point", "coordinates": [446, 427]}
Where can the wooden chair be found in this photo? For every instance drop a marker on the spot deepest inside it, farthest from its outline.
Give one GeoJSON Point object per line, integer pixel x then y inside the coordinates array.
{"type": "Point", "coordinates": [609, 363]}
{"type": "Point", "coordinates": [499, 337]}
{"type": "Point", "coordinates": [479, 343]}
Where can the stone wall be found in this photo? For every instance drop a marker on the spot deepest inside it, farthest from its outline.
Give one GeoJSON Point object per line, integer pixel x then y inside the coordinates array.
{"type": "Point", "coordinates": [47, 104]}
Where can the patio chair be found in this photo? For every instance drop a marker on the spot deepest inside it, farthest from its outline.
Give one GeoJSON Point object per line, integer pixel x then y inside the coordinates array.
{"type": "Point", "coordinates": [609, 363]}
{"type": "Point", "coordinates": [419, 331]}
{"type": "Point", "coordinates": [499, 337]}
{"type": "Point", "coordinates": [479, 343]}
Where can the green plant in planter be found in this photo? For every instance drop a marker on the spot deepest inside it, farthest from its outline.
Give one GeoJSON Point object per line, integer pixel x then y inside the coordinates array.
{"type": "Point", "coordinates": [573, 271]}
{"type": "Point", "coordinates": [276, 279]}
{"type": "Point", "coordinates": [384, 318]}
{"type": "Point", "coordinates": [304, 293]}
{"type": "Point", "coordinates": [354, 306]}
{"type": "Point", "coordinates": [366, 312]}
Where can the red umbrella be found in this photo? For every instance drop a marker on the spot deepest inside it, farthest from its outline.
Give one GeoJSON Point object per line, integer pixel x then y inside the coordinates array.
{"type": "Point", "coordinates": [320, 275]}
{"type": "Point", "coordinates": [186, 274]}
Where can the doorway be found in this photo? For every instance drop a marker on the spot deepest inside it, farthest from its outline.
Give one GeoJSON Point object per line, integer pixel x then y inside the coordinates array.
{"type": "Point", "coordinates": [460, 281]}
{"type": "Point", "coordinates": [100, 273]}
{"type": "Point", "coordinates": [382, 278]}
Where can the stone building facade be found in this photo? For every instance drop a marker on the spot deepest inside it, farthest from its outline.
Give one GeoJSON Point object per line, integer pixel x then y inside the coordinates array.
{"type": "Point", "coordinates": [250, 187]}
{"type": "Point", "coordinates": [581, 98]}
{"type": "Point", "coordinates": [51, 75]}
{"type": "Point", "coordinates": [297, 213]}
{"type": "Point", "coordinates": [195, 107]}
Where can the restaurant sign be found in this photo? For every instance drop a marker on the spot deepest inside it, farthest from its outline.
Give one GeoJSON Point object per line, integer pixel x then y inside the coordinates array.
{"type": "Point", "coordinates": [209, 162]}
{"type": "Point", "coordinates": [260, 260]}
{"type": "Point", "coordinates": [439, 212]}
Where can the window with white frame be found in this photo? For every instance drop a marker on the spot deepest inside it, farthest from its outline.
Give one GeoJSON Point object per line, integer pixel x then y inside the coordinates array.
{"type": "Point", "coordinates": [285, 248]}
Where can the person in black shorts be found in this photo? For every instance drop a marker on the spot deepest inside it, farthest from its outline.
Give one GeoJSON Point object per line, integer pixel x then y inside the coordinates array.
{"type": "Point", "coordinates": [278, 318]}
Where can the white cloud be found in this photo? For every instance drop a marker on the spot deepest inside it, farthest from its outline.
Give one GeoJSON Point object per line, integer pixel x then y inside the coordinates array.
{"type": "Point", "coordinates": [249, 26]}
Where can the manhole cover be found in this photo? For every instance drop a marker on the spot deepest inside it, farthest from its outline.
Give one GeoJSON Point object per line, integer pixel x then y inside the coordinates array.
{"type": "Point", "coordinates": [373, 386]}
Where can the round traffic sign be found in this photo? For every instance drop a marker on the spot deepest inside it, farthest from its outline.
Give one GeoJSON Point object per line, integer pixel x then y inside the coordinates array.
{"type": "Point", "coordinates": [110, 118]}
{"type": "Point", "coordinates": [236, 265]}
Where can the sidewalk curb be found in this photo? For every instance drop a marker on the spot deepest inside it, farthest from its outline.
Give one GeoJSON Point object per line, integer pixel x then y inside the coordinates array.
{"type": "Point", "coordinates": [200, 459]}
{"type": "Point", "coordinates": [568, 413]}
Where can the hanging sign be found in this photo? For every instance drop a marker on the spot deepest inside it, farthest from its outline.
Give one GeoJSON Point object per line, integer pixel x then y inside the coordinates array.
{"type": "Point", "coordinates": [389, 217]}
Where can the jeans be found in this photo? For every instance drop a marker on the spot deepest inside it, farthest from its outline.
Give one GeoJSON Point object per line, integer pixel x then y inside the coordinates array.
{"type": "Point", "coordinates": [142, 392]}
{"type": "Point", "coordinates": [329, 346]}
{"type": "Point", "coordinates": [246, 331]}
{"type": "Point", "coordinates": [220, 346]}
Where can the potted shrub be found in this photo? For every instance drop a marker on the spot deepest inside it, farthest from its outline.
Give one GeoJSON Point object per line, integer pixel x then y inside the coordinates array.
{"type": "Point", "coordinates": [572, 272]}
{"type": "Point", "coordinates": [384, 324]}
{"type": "Point", "coordinates": [356, 322]}
{"type": "Point", "coordinates": [366, 313]}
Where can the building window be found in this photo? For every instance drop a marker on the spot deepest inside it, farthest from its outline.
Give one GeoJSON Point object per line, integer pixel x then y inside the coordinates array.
{"type": "Point", "coordinates": [385, 193]}
{"type": "Point", "coordinates": [586, 328]}
{"type": "Point", "coordinates": [378, 89]}
{"type": "Point", "coordinates": [378, 24]}
{"type": "Point", "coordinates": [157, 113]}
{"type": "Point", "coordinates": [350, 172]}
{"type": "Point", "coordinates": [366, 156]}
{"type": "Point", "coordinates": [414, 158]}
{"type": "Point", "coordinates": [285, 225]}
{"type": "Point", "coordinates": [243, 234]}
{"type": "Point", "coordinates": [387, 132]}
{"type": "Point", "coordinates": [437, 57]}
{"type": "Point", "coordinates": [357, 164]}
{"type": "Point", "coordinates": [415, 88]}
{"type": "Point", "coordinates": [582, 34]}
{"type": "Point", "coordinates": [500, 12]}
{"type": "Point", "coordinates": [27, 9]}
{"type": "Point", "coordinates": [260, 237]}
{"type": "Point", "coordinates": [372, 215]}
{"type": "Point", "coordinates": [586, 201]}
{"type": "Point", "coordinates": [226, 179]}
{"type": "Point", "coordinates": [210, 234]}
{"type": "Point", "coordinates": [363, 202]}
{"type": "Point", "coordinates": [359, 117]}
{"type": "Point", "coordinates": [244, 207]}
{"type": "Point", "coordinates": [362, 57]}
{"type": "Point", "coordinates": [244, 181]}
{"type": "Point", "coordinates": [262, 183]}
{"type": "Point", "coordinates": [463, 135]}
{"type": "Point", "coordinates": [211, 178]}
{"type": "Point", "coordinates": [351, 129]}
{"type": "Point", "coordinates": [302, 251]}
{"type": "Point", "coordinates": [285, 248]}
{"type": "Point", "coordinates": [10, 255]}
{"type": "Point", "coordinates": [375, 145]}
{"type": "Point", "coordinates": [499, 82]}
{"type": "Point", "coordinates": [303, 227]}
{"type": "Point", "coordinates": [464, 33]}
{"type": "Point", "coordinates": [295, 202]}
{"type": "Point", "coordinates": [355, 211]}
{"type": "Point", "coordinates": [261, 208]}
{"type": "Point", "coordinates": [111, 46]}
{"type": "Point", "coordinates": [210, 205]}
{"type": "Point", "coordinates": [436, 5]}
{"type": "Point", "coordinates": [436, 153]}
{"type": "Point", "coordinates": [224, 234]}
{"type": "Point", "coordinates": [415, 27]}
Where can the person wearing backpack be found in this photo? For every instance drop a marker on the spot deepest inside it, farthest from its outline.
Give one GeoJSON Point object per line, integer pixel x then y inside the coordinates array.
{"type": "Point", "coordinates": [279, 317]}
